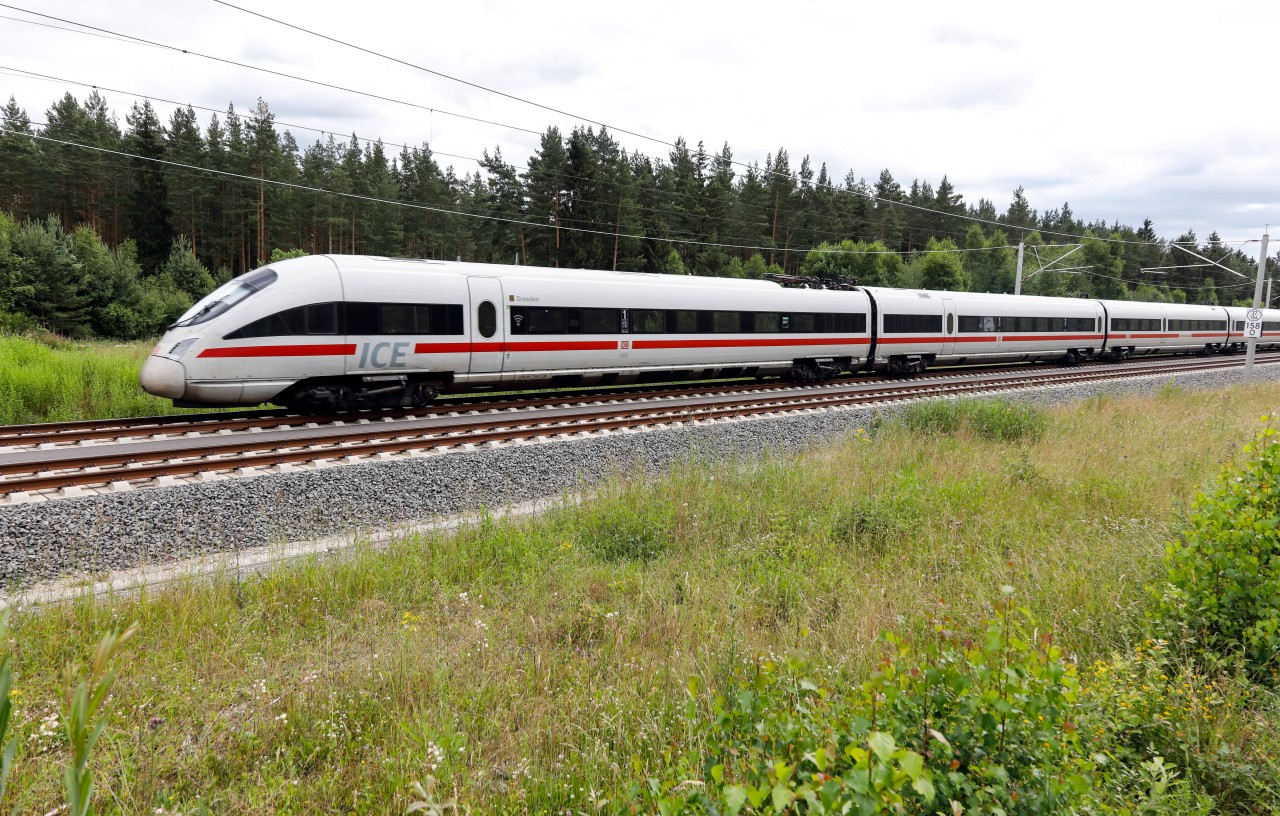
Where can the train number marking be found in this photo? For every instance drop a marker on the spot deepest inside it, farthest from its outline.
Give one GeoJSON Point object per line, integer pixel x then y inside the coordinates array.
{"type": "Point", "coordinates": [384, 355]}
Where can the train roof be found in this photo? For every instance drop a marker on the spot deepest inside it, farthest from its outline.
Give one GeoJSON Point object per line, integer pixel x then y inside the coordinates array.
{"type": "Point", "coordinates": [355, 262]}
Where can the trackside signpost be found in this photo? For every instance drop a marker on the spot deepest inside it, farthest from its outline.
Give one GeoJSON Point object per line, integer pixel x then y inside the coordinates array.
{"type": "Point", "coordinates": [1253, 324]}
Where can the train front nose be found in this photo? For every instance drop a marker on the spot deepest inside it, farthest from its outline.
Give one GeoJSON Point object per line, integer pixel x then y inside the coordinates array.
{"type": "Point", "coordinates": [163, 377]}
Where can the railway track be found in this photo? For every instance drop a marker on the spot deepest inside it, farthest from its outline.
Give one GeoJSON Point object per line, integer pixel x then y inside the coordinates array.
{"type": "Point", "coordinates": [45, 434]}
{"type": "Point", "coordinates": [67, 461]}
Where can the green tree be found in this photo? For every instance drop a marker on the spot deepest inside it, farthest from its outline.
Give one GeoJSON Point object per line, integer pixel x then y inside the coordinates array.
{"type": "Point", "coordinates": [1105, 266]}
{"type": "Point", "coordinates": [674, 265]}
{"type": "Point", "coordinates": [941, 268]}
{"type": "Point", "coordinates": [546, 190]}
{"type": "Point", "coordinates": [52, 275]}
{"type": "Point", "coordinates": [867, 264]}
{"type": "Point", "coordinates": [186, 271]}
{"type": "Point", "coordinates": [20, 158]}
{"type": "Point", "coordinates": [149, 220]}
{"type": "Point", "coordinates": [989, 264]}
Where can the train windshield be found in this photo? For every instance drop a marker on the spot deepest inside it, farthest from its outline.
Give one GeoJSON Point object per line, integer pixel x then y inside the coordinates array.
{"type": "Point", "coordinates": [220, 300]}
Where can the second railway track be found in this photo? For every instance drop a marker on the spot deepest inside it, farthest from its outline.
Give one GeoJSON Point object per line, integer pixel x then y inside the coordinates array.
{"type": "Point", "coordinates": [45, 470]}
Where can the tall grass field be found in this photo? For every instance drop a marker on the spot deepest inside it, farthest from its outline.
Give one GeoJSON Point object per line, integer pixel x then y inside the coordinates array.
{"type": "Point", "coordinates": [45, 378]}
{"type": "Point", "coordinates": [567, 663]}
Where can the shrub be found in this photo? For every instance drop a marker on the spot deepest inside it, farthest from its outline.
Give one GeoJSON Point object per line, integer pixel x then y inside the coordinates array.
{"type": "Point", "coordinates": [951, 726]}
{"type": "Point", "coordinates": [1223, 570]}
{"type": "Point", "coordinates": [1174, 733]}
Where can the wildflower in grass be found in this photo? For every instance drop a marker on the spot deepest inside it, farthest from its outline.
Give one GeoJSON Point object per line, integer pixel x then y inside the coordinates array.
{"type": "Point", "coordinates": [435, 755]}
{"type": "Point", "coordinates": [409, 621]}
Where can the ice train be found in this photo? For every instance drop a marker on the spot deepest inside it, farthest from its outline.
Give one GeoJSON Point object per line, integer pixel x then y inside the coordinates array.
{"type": "Point", "coordinates": [328, 333]}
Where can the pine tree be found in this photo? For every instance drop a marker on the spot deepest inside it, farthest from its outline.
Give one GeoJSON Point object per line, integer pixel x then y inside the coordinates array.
{"type": "Point", "coordinates": [20, 158]}
{"type": "Point", "coordinates": [149, 222]}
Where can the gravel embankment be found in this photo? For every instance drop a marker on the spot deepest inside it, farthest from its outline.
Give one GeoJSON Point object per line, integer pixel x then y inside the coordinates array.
{"type": "Point", "coordinates": [124, 530]}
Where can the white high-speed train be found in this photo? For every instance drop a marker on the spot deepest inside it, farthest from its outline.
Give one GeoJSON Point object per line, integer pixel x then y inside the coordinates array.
{"type": "Point", "coordinates": [334, 332]}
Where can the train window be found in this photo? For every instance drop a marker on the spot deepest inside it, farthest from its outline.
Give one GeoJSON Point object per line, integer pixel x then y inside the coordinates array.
{"type": "Point", "coordinates": [395, 318]}
{"type": "Point", "coordinates": [727, 322]}
{"type": "Point", "coordinates": [600, 321]}
{"type": "Point", "coordinates": [912, 324]}
{"type": "Point", "coordinates": [969, 323]}
{"type": "Point", "coordinates": [682, 321]}
{"type": "Point", "coordinates": [1239, 326]}
{"type": "Point", "coordinates": [1041, 324]}
{"type": "Point", "coordinates": [648, 321]}
{"type": "Point", "coordinates": [1197, 325]}
{"type": "Point", "coordinates": [439, 318]}
{"type": "Point", "coordinates": [362, 318]}
{"type": "Point", "coordinates": [538, 320]}
{"type": "Point", "coordinates": [765, 322]}
{"type": "Point", "coordinates": [487, 319]}
{"type": "Point", "coordinates": [1270, 326]}
{"type": "Point", "coordinates": [315, 318]}
{"type": "Point", "coordinates": [322, 318]}
{"type": "Point", "coordinates": [805, 323]}
{"type": "Point", "coordinates": [225, 296]}
{"type": "Point", "coordinates": [951, 323]}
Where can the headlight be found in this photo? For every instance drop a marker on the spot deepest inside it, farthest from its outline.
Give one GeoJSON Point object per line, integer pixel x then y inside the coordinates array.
{"type": "Point", "coordinates": [177, 351]}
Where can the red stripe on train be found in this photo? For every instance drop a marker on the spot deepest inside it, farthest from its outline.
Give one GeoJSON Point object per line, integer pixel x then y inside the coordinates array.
{"type": "Point", "coordinates": [726, 343]}
{"type": "Point", "coordinates": [313, 350]}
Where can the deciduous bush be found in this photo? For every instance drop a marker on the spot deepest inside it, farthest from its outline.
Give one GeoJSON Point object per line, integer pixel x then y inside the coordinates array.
{"type": "Point", "coordinates": [953, 725]}
{"type": "Point", "coordinates": [1223, 570]}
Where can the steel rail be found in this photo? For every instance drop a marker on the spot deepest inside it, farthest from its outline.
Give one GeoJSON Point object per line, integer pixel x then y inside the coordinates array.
{"type": "Point", "coordinates": [141, 427]}
{"type": "Point", "coordinates": [106, 464]}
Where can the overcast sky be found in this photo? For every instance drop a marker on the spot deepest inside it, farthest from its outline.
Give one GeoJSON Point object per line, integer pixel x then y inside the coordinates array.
{"type": "Point", "coordinates": [1126, 110]}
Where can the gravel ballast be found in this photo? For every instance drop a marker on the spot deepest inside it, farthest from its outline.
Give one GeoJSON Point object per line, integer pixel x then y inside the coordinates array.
{"type": "Point", "coordinates": [105, 532]}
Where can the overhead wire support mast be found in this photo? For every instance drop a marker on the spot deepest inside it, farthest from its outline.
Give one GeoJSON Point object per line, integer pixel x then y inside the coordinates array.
{"type": "Point", "coordinates": [1257, 299]}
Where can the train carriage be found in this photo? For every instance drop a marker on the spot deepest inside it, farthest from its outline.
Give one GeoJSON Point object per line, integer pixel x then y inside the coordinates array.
{"type": "Point", "coordinates": [919, 328]}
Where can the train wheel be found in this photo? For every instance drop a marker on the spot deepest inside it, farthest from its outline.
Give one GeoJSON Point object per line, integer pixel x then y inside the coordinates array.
{"type": "Point", "coordinates": [421, 393]}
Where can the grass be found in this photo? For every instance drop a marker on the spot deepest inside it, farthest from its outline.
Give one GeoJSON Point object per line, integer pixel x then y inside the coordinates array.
{"type": "Point", "coordinates": [541, 665]}
{"type": "Point", "coordinates": [46, 378]}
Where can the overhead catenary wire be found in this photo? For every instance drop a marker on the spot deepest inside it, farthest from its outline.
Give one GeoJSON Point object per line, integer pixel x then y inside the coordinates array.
{"type": "Point", "coordinates": [372, 52]}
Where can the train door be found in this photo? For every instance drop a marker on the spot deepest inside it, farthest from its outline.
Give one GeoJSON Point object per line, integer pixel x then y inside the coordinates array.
{"type": "Point", "coordinates": [486, 325]}
{"type": "Point", "coordinates": [948, 326]}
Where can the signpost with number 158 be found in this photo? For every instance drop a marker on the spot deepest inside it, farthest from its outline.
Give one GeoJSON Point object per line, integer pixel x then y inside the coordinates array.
{"type": "Point", "coordinates": [1253, 324]}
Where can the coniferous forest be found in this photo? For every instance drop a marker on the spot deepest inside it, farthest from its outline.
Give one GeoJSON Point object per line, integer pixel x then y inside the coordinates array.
{"type": "Point", "coordinates": [112, 231]}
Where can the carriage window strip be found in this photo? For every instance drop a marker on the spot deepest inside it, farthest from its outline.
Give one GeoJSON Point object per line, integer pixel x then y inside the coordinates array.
{"type": "Point", "coordinates": [1130, 324]}
{"type": "Point", "coordinates": [333, 318]}
{"type": "Point", "coordinates": [543, 320]}
{"type": "Point", "coordinates": [912, 324]}
{"type": "Point", "coordinates": [978, 324]}
{"type": "Point", "coordinates": [1197, 325]}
